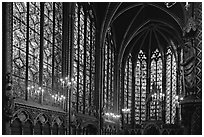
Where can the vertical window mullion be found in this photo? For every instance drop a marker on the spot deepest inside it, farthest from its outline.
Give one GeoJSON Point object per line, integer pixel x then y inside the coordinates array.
{"type": "Point", "coordinates": [171, 93]}
{"type": "Point", "coordinates": [53, 46]}
{"type": "Point", "coordinates": [127, 87]}
{"type": "Point", "coordinates": [104, 74]}
{"type": "Point", "coordinates": [112, 75]}
{"type": "Point", "coordinates": [27, 52]}
{"type": "Point", "coordinates": [90, 71]}
{"type": "Point", "coordinates": [156, 116]}
{"type": "Point", "coordinates": [107, 73]}
{"type": "Point", "coordinates": [140, 91]}
{"type": "Point", "coordinates": [84, 67]}
{"type": "Point", "coordinates": [41, 48]}
{"type": "Point", "coordinates": [78, 43]}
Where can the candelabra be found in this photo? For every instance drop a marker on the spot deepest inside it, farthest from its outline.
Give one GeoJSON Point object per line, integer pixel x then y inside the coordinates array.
{"type": "Point", "coordinates": [35, 92]}
{"type": "Point", "coordinates": [158, 97]}
{"type": "Point", "coordinates": [65, 82]}
{"type": "Point", "coordinates": [126, 110]}
{"type": "Point", "coordinates": [111, 117]}
{"type": "Point", "coordinates": [68, 83]}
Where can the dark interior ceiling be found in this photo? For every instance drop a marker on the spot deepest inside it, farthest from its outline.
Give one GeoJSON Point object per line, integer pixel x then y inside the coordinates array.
{"type": "Point", "coordinates": [145, 26]}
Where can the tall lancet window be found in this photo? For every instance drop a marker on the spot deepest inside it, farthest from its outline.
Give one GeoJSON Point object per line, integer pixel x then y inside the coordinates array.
{"type": "Point", "coordinates": [128, 89]}
{"type": "Point", "coordinates": [170, 87]}
{"type": "Point", "coordinates": [108, 72]}
{"type": "Point", "coordinates": [36, 52]}
{"type": "Point", "coordinates": [57, 48]}
{"type": "Point", "coordinates": [156, 86]}
{"type": "Point", "coordinates": [19, 50]}
{"type": "Point", "coordinates": [140, 88]}
{"type": "Point", "coordinates": [47, 50]}
{"type": "Point", "coordinates": [84, 61]}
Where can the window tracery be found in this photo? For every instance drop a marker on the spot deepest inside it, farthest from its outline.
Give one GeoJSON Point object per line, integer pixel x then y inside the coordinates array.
{"type": "Point", "coordinates": [156, 86]}
{"type": "Point", "coordinates": [171, 83]}
{"type": "Point", "coordinates": [108, 72]}
{"type": "Point", "coordinates": [128, 88]}
{"type": "Point", "coordinates": [140, 88]}
{"type": "Point", "coordinates": [28, 50]}
{"type": "Point", "coordinates": [27, 18]}
{"type": "Point", "coordinates": [84, 60]}
{"type": "Point", "coordinates": [150, 106]}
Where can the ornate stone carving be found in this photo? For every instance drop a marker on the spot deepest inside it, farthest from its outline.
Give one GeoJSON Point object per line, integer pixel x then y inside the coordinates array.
{"type": "Point", "coordinates": [198, 46]}
{"type": "Point", "coordinates": [42, 119]}
{"type": "Point", "coordinates": [190, 29]}
{"type": "Point", "coordinates": [58, 121]}
{"type": "Point", "coordinates": [169, 4]}
{"type": "Point", "coordinates": [8, 98]}
{"type": "Point", "coordinates": [22, 117]}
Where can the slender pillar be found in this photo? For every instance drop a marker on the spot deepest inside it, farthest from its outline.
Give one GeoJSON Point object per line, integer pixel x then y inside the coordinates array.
{"type": "Point", "coordinates": [66, 56]}
{"type": "Point", "coordinates": [7, 94]}
{"type": "Point", "coordinates": [98, 78]}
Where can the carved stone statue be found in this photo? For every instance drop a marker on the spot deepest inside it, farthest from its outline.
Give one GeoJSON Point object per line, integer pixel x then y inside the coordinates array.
{"type": "Point", "coordinates": [189, 67]}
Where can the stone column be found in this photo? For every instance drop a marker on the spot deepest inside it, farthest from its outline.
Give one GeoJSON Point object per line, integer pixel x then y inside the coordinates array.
{"type": "Point", "coordinates": [98, 78]}
{"type": "Point", "coordinates": [7, 94]}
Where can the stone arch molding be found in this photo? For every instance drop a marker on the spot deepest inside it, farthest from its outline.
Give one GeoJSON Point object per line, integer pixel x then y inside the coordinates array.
{"type": "Point", "coordinates": [86, 123]}
{"type": "Point", "coordinates": [42, 118]}
{"type": "Point", "coordinates": [23, 116]}
{"type": "Point", "coordinates": [149, 126]}
{"type": "Point", "coordinates": [57, 120]}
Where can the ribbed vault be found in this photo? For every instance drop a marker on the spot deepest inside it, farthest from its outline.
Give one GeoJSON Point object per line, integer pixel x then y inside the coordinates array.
{"type": "Point", "coordinates": [145, 26]}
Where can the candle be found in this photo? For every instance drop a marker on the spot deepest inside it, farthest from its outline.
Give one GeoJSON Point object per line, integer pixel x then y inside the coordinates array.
{"type": "Point", "coordinates": [42, 93]}
{"type": "Point", "coordinates": [63, 102]}
{"type": "Point", "coordinates": [28, 88]}
{"type": "Point", "coordinates": [63, 83]}
{"type": "Point", "coordinates": [55, 98]}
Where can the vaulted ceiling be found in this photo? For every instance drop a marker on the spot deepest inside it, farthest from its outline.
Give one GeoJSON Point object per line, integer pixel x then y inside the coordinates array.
{"type": "Point", "coordinates": [145, 26]}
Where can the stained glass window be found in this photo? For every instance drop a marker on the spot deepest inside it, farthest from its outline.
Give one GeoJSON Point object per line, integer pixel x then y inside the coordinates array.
{"type": "Point", "coordinates": [140, 88]}
{"type": "Point", "coordinates": [47, 50]}
{"type": "Point", "coordinates": [57, 48]}
{"type": "Point", "coordinates": [27, 29]}
{"type": "Point", "coordinates": [150, 105]}
{"type": "Point", "coordinates": [34, 48]}
{"type": "Point", "coordinates": [128, 89]}
{"type": "Point", "coordinates": [76, 54]}
{"type": "Point", "coordinates": [81, 59]}
{"type": "Point", "coordinates": [108, 72]}
{"type": "Point", "coordinates": [156, 86]}
{"type": "Point", "coordinates": [19, 48]}
{"type": "Point", "coordinates": [170, 87]}
{"type": "Point", "coordinates": [92, 62]}
{"type": "Point", "coordinates": [84, 59]}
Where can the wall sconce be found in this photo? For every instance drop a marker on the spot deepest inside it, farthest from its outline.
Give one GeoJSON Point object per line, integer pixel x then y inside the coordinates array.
{"type": "Point", "coordinates": [126, 110]}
